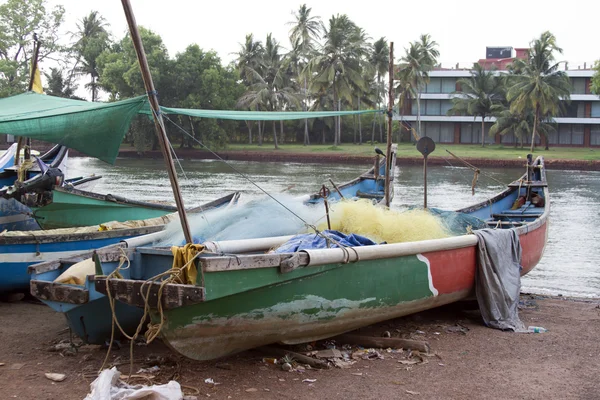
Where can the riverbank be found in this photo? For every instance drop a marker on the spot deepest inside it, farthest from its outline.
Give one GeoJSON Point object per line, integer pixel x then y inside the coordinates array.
{"type": "Point", "coordinates": [349, 158]}
{"type": "Point", "coordinates": [469, 360]}
{"type": "Point", "coordinates": [561, 158]}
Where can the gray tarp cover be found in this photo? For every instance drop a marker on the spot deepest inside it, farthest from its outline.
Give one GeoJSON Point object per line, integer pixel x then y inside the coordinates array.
{"type": "Point", "coordinates": [498, 279]}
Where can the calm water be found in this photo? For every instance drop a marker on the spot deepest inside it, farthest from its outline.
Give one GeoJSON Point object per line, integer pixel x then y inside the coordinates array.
{"type": "Point", "coordinates": [570, 263]}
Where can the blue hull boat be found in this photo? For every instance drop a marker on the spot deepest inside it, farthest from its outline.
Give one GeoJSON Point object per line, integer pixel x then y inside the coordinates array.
{"type": "Point", "coordinates": [19, 250]}
{"type": "Point", "coordinates": [14, 214]}
{"type": "Point", "coordinates": [88, 312]}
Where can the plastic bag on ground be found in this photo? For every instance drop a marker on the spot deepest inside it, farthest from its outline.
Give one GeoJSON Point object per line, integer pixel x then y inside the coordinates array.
{"type": "Point", "coordinates": [108, 386]}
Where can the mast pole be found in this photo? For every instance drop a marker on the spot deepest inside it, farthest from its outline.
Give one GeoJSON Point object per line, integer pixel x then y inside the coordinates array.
{"type": "Point", "coordinates": [158, 121]}
{"type": "Point", "coordinates": [36, 52]}
{"type": "Point", "coordinates": [388, 153]}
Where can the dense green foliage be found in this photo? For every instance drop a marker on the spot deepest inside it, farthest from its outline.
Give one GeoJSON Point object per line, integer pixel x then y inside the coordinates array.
{"type": "Point", "coordinates": [330, 65]}
{"type": "Point", "coordinates": [19, 21]}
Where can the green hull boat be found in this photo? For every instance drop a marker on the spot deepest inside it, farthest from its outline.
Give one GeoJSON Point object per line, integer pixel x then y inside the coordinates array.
{"type": "Point", "coordinates": [73, 208]}
{"type": "Point", "coordinates": [244, 297]}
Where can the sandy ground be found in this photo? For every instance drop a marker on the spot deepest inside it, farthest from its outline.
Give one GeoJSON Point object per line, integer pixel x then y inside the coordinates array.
{"type": "Point", "coordinates": [470, 361]}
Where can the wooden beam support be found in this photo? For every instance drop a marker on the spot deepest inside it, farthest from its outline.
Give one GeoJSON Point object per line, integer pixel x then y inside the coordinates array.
{"type": "Point", "coordinates": [59, 292]}
{"type": "Point", "coordinates": [129, 291]}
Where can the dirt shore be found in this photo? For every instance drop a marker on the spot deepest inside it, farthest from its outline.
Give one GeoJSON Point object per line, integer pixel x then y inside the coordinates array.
{"type": "Point", "coordinates": [470, 361]}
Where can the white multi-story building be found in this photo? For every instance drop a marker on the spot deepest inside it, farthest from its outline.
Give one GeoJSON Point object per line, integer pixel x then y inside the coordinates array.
{"type": "Point", "coordinates": [577, 126]}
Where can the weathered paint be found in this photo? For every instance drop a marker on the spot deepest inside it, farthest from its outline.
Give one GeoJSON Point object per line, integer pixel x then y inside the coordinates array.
{"type": "Point", "coordinates": [313, 303]}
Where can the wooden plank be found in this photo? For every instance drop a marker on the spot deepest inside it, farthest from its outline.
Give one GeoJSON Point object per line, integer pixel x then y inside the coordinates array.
{"type": "Point", "coordinates": [289, 261]}
{"type": "Point", "coordinates": [383, 343]}
{"type": "Point", "coordinates": [129, 291]}
{"type": "Point", "coordinates": [59, 292]}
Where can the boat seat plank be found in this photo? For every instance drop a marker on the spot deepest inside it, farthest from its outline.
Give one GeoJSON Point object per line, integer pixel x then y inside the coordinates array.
{"type": "Point", "coordinates": [229, 263]}
{"type": "Point", "coordinates": [129, 291]}
{"type": "Point", "coordinates": [59, 292]}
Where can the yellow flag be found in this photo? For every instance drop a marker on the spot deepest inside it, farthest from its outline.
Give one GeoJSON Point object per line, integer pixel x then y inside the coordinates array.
{"type": "Point", "coordinates": [37, 82]}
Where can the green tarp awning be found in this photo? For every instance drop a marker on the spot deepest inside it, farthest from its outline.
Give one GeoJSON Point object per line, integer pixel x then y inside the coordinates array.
{"type": "Point", "coordinates": [260, 115]}
{"type": "Point", "coordinates": [96, 129]}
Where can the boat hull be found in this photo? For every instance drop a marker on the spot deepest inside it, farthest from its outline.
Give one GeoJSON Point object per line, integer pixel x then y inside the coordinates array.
{"type": "Point", "coordinates": [71, 209]}
{"type": "Point", "coordinates": [316, 303]}
{"type": "Point", "coordinates": [18, 253]}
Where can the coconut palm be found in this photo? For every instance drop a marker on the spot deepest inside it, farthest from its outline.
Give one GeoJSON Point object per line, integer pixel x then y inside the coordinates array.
{"type": "Point", "coordinates": [249, 65]}
{"type": "Point", "coordinates": [419, 59]}
{"type": "Point", "coordinates": [481, 95]}
{"type": "Point", "coordinates": [305, 32]}
{"type": "Point", "coordinates": [540, 86]}
{"type": "Point", "coordinates": [379, 59]}
{"type": "Point", "coordinates": [338, 64]}
{"type": "Point", "coordinates": [92, 39]}
{"type": "Point", "coordinates": [270, 90]}
{"type": "Point", "coordinates": [521, 125]}
{"type": "Point", "coordinates": [595, 84]}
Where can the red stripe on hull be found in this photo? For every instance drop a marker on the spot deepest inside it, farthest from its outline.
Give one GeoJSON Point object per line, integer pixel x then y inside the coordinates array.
{"type": "Point", "coordinates": [452, 270]}
{"type": "Point", "coordinates": [532, 245]}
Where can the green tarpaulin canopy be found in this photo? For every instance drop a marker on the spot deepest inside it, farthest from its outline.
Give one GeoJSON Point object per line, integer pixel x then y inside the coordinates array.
{"type": "Point", "coordinates": [97, 129]}
{"type": "Point", "coordinates": [260, 115]}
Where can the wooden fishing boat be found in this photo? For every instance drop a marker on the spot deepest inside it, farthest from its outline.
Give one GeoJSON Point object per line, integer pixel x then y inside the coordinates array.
{"type": "Point", "coordinates": [19, 250]}
{"type": "Point", "coordinates": [87, 311]}
{"type": "Point", "coordinates": [240, 301]}
{"type": "Point", "coordinates": [17, 197]}
{"type": "Point", "coordinates": [69, 207]}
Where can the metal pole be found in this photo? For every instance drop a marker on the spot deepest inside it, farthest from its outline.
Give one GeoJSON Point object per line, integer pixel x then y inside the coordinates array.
{"type": "Point", "coordinates": [425, 182]}
{"type": "Point", "coordinates": [158, 121]}
{"type": "Point", "coordinates": [388, 153]}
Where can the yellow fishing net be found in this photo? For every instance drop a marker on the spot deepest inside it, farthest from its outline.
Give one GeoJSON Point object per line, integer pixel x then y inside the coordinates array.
{"type": "Point", "coordinates": [380, 224]}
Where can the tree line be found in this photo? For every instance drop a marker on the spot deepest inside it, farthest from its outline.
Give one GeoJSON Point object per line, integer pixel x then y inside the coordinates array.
{"type": "Point", "coordinates": [324, 65]}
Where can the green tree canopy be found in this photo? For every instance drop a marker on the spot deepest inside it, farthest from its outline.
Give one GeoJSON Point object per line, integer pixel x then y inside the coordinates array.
{"type": "Point", "coordinates": [19, 20]}
{"type": "Point", "coordinates": [539, 84]}
{"type": "Point", "coordinates": [481, 95]}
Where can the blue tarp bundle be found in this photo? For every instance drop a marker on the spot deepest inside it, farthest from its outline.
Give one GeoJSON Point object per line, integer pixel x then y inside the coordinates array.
{"type": "Point", "coordinates": [314, 241]}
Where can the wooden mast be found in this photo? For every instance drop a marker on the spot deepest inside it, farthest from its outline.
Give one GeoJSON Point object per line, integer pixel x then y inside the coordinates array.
{"type": "Point", "coordinates": [36, 52]}
{"type": "Point", "coordinates": [388, 154]}
{"type": "Point", "coordinates": [158, 121]}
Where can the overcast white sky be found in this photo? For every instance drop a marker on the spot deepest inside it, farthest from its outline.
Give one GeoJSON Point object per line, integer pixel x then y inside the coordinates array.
{"type": "Point", "coordinates": [462, 28]}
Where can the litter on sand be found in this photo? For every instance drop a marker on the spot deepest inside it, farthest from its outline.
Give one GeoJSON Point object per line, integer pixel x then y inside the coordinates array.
{"type": "Point", "coordinates": [108, 386]}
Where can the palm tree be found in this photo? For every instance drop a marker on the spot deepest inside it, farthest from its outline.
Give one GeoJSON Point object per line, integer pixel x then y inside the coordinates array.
{"type": "Point", "coordinates": [305, 32]}
{"type": "Point", "coordinates": [270, 90]}
{"type": "Point", "coordinates": [92, 39]}
{"type": "Point", "coordinates": [595, 84]}
{"type": "Point", "coordinates": [520, 125]}
{"type": "Point", "coordinates": [481, 95]}
{"type": "Point", "coordinates": [249, 65]}
{"type": "Point", "coordinates": [540, 86]}
{"type": "Point", "coordinates": [419, 59]}
{"type": "Point", "coordinates": [339, 63]}
{"type": "Point", "coordinates": [379, 59]}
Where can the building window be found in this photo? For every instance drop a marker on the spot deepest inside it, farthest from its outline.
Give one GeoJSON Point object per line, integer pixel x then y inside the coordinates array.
{"type": "Point", "coordinates": [577, 135]}
{"type": "Point", "coordinates": [595, 135]}
{"type": "Point", "coordinates": [434, 86]}
{"type": "Point", "coordinates": [447, 132]}
{"type": "Point", "coordinates": [448, 85]}
{"type": "Point", "coordinates": [446, 105]}
{"type": "Point", "coordinates": [574, 110]}
{"type": "Point", "coordinates": [433, 107]}
{"type": "Point", "coordinates": [568, 134]}
{"type": "Point", "coordinates": [578, 85]}
{"type": "Point", "coordinates": [595, 109]}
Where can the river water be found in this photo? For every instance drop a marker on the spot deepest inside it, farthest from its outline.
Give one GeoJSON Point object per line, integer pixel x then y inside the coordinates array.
{"type": "Point", "coordinates": [571, 259]}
